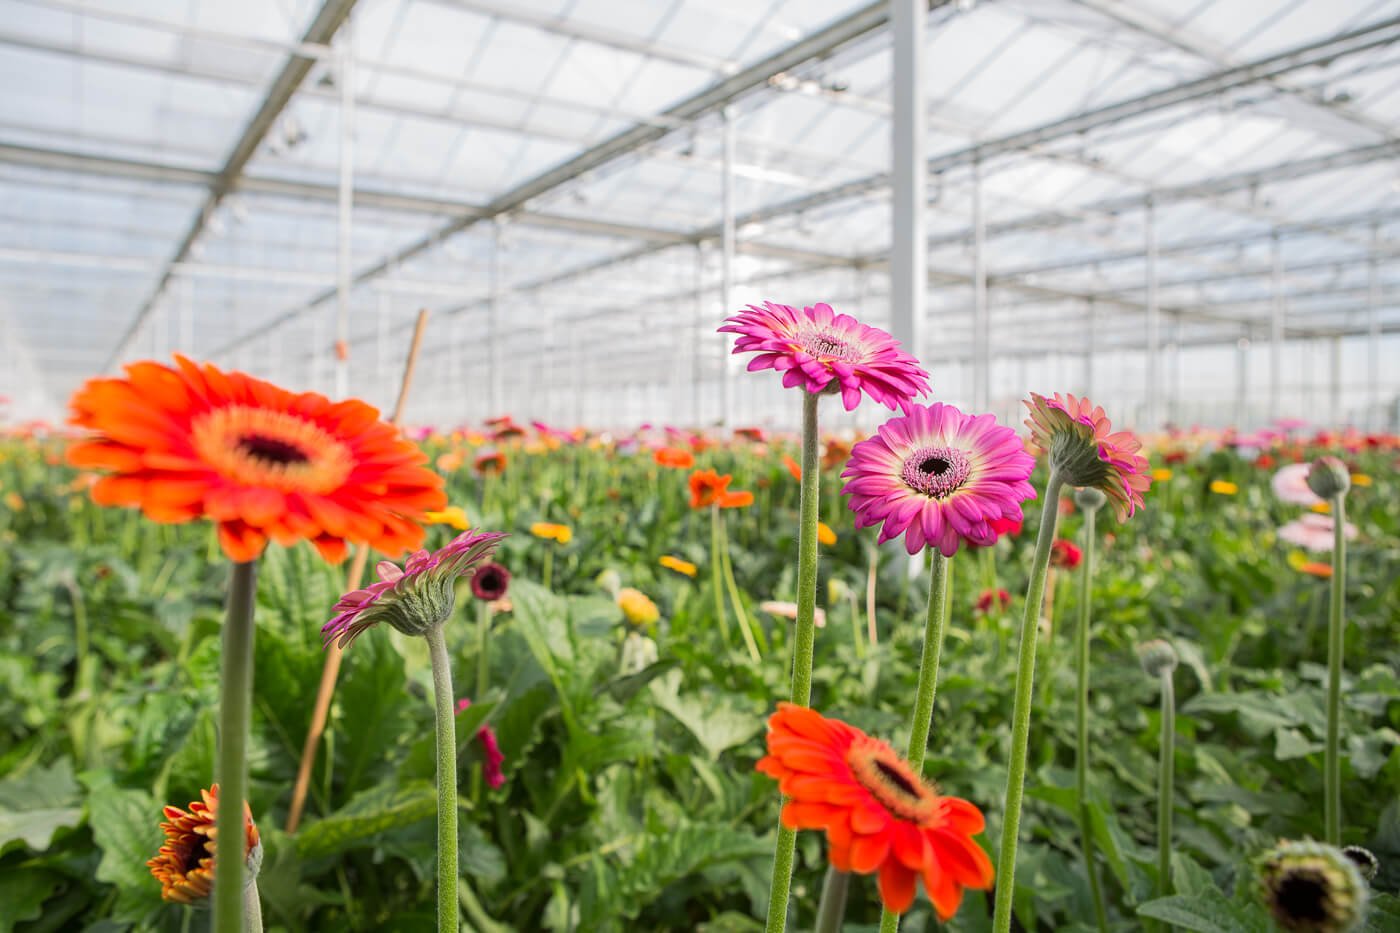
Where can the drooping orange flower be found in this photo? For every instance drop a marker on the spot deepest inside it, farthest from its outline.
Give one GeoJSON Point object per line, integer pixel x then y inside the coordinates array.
{"type": "Point", "coordinates": [184, 866]}
{"type": "Point", "coordinates": [674, 457]}
{"type": "Point", "coordinates": [191, 441]}
{"type": "Point", "coordinates": [879, 816]}
{"type": "Point", "coordinates": [491, 461]}
{"type": "Point", "coordinates": [709, 488]}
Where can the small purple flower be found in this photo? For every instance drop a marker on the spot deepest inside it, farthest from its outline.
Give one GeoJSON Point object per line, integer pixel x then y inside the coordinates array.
{"type": "Point", "coordinates": [491, 757]}
{"type": "Point", "coordinates": [939, 477]}
{"type": "Point", "coordinates": [415, 599]}
{"type": "Point", "coordinates": [490, 582]}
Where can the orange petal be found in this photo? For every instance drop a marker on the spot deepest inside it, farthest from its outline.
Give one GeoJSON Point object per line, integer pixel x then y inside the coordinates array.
{"type": "Point", "coordinates": [869, 852]}
{"type": "Point", "coordinates": [896, 886]}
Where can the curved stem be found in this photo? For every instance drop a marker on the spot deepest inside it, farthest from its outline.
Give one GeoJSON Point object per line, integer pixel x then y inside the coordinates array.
{"type": "Point", "coordinates": [806, 639]}
{"type": "Point", "coordinates": [235, 702]}
{"type": "Point", "coordinates": [935, 624]}
{"type": "Point", "coordinates": [832, 907]}
{"type": "Point", "coordinates": [1081, 719]}
{"type": "Point", "coordinates": [1021, 715]}
{"type": "Point", "coordinates": [1336, 640]}
{"type": "Point", "coordinates": [1165, 786]}
{"type": "Point", "coordinates": [733, 587]}
{"type": "Point", "coordinates": [447, 910]}
{"type": "Point", "coordinates": [716, 586]}
{"type": "Point", "coordinates": [252, 906]}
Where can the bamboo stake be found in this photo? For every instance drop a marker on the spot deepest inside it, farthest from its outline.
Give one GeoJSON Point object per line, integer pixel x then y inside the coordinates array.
{"type": "Point", "coordinates": [331, 669]}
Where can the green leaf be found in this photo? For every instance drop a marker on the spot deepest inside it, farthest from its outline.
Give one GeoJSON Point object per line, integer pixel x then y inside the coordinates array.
{"type": "Point", "coordinates": [1290, 743]}
{"type": "Point", "coordinates": [126, 827]}
{"type": "Point", "coordinates": [1189, 878]}
{"type": "Point", "coordinates": [1257, 712]}
{"type": "Point", "coordinates": [37, 804]}
{"type": "Point", "coordinates": [370, 813]}
{"type": "Point", "coordinates": [715, 723]}
{"type": "Point", "coordinates": [1210, 912]}
{"type": "Point", "coordinates": [624, 688]}
{"type": "Point", "coordinates": [1384, 916]}
{"type": "Point", "coordinates": [22, 894]}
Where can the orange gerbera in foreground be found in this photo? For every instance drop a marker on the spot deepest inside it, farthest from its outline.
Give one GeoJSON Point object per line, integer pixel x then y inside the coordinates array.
{"type": "Point", "coordinates": [184, 866]}
{"type": "Point", "coordinates": [189, 441]}
{"type": "Point", "coordinates": [879, 815]}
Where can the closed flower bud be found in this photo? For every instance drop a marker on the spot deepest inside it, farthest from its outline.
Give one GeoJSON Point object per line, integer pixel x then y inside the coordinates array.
{"type": "Point", "coordinates": [1312, 888]}
{"type": "Point", "coordinates": [1329, 477]}
{"type": "Point", "coordinates": [1158, 657]}
{"type": "Point", "coordinates": [1089, 499]}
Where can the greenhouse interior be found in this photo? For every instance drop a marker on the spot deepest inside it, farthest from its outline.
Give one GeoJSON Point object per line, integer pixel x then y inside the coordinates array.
{"type": "Point", "coordinates": [457, 316]}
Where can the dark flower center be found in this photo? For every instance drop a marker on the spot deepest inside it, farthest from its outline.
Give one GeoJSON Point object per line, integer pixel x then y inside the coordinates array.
{"type": "Point", "coordinates": [826, 346]}
{"type": "Point", "coordinates": [1302, 896]}
{"type": "Point", "coordinates": [271, 450]}
{"type": "Point", "coordinates": [194, 852]}
{"type": "Point", "coordinates": [936, 472]}
{"type": "Point", "coordinates": [892, 783]}
{"type": "Point", "coordinates": [898, 780]}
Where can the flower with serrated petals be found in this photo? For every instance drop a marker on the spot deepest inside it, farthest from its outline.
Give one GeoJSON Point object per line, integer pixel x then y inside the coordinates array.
{"type": "Point", "coordinates": [416, 598]}
{"type": "Point", "coordinates": [184, 866]}
{"type": "Point", "coordinates": [1082, 446]}
{"type": "Point", "coordinates": [825, 352]}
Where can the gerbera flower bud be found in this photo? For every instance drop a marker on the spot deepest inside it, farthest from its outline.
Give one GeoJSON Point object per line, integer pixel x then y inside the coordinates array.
{"type": "Point", "coordinates": [416, 599]}
{"type": "Point", "coordinates": [1312, 888]}
{"type": "Point", "coordinates": [637, 607]}
{"type": "Point", "coordinates": [184, 866]}
{"type": "Point", "coordinates": [879, 815]}
{"type": "Point", "coordinates": [1077, 436]}
{"type": "Point", "coordinates": [1329, 477]}
{"type": "Point", "coordinates": [638, 653]}
{"type": "Point", "coordinates": [490, 582]}
{"type": "Point", "coordinates": [825, 352]}
{"type": "Point", "coordinates": [1365, 861]}
{"type": "Point", "coordinates": [1157, 657]}
{"type": "Point", "coordinates": [1089, 499]}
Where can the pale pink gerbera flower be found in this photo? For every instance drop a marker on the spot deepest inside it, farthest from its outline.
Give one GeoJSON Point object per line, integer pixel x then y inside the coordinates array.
{"type": "Point", "coordinates": [1314, 532]}
{"type": "Point", "coordinates": [1290, 484]}
{"type": "Point", "coordinates": [491, 757]}
{"type": "Point", "coordinates": [823, 351]}
{"type": "Point", "coordinates": [939, 477]}
{"type": "Point", "coordinates": [1079, 440]}
{"type": "Point", "coordinates": [415, 599]}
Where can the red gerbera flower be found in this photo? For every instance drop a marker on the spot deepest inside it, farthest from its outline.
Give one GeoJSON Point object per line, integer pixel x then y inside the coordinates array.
{"type": "Point", "coordinates": [1065, 554]}
{"type": "Point", "coordinates": [192, 441]}
{"type": "Point", "coordinates": [879, 816]}
{"type": "Point", "coordinates": [710, 488]}
{"type": "Point", "coordinates": [674, 457]}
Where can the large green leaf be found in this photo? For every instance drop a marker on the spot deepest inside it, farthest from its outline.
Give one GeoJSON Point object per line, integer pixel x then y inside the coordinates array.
{"type": "Point", "coordinates": [716, 724]}
{"type": "Point", "coordinates": [1209, 912]}
{"type": "Point", "coordinates": [22, 894]}
{"type": "Point", "coordinates": [126, 827]}
{"type": "Point", "coordinates": [37, 804]}
{"type": "Point", "coordinates": [367, 815]}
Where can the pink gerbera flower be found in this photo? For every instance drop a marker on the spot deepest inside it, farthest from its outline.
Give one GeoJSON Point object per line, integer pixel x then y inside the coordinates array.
{"type": "Point", "coordinates": [823, 351]}
{"type": "Point", "coordinates": [415, 599]}
{"type": "Point", "coordinates": [491, 757]}
{"type": "Point", "coordinates": [1078, 438]}
{"type": "Point", "coordinates": [939, 477]}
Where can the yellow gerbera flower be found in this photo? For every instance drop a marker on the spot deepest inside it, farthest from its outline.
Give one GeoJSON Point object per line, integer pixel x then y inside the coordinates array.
{"type": "Point", "coordinates": [549, 531]}
{"type": "Point", "coordinates": [825, 535]}
{"type": "Point", "coordinates": [1360, 479]}
{"type": "Point", "coordinates": [637, 606]}
{"type": "Point", "coordinates": [1322, 508]}
{"type": "Point", "coordinates": [678, 565]}
{"type": "Point", "coordinates": [1161, 475]}
{"type": "Point", "coordinates": [453, 515]}
{"type": "Point", "coordinates": [1224, 487]}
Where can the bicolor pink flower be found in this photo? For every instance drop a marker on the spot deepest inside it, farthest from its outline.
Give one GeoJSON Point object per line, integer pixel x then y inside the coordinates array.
{"type": "Point", "coordinates": [823, 351]}
{"type": "Point", "coordinates": [939, 477]}
{"type": "Point", "coordinates": [415, 599]}
{"type": "Point", "coordinates": [1079, 440]}
{"type": "Point", "coordinates": [1290, 484]}
{"type": "Point", "coordinates": [491, 757]}
{"type": "Point", "coordinates": [1314, 532]}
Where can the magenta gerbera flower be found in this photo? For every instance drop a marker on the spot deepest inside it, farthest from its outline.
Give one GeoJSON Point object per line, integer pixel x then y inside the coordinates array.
{"type": "Point", "coordinates": [415, 599]}
{"type": "Point", "coordinates": [1079, 440]}
{"type": "Point", "coordinates": [939, 477]}
{"type": "Point", "coordinates": [491, 756]}
{"type": "Point", "coordinates": [823, 351]}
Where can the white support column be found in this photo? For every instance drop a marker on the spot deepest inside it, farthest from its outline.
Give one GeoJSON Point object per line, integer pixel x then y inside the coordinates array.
{"type": "Point", "coordinates": [187, 315]}
{"type": "Point", "coordinates": [1334, 394]}
{"type": "Point", "coordinates": [1374, 418]}
{"type": "Point", "coordinates": [1276, 331]}
{"type": "Point", "coordinates": [981, 321]}
{"type": "Point", "coordinates": [1154, 323]}
{"type": "Point", "coordinates": [1091, 314]}
{"type": "Point", "coordinates": [909, 173]}
{"type": "Point", "coordinates": [726, 271]}
{"type": "Point", "coordinates": [1242, 383]}
{"type": "Point", "coordinates": [495, 392]}
{"type": "Point", "coordinates": [381, 350]}
{"type": "Point", "coordinates": [697, 369]}
{"type": "Point", "coordinates": [345, 209]}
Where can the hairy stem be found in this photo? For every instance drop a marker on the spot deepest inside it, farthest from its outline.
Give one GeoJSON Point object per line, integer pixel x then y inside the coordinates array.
{"type": "Point", "coordinates": [447, 911]}
{"type": "Point", "coordinates": [235, 702]}
{"type": "Point", "coordinates": [1081, 719]}
{"type": "Point", "coordinates": [1336, 641]}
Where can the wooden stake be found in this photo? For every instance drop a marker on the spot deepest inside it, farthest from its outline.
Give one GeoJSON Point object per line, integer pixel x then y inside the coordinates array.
{"type": "Point", "coordinates": [331, 669]}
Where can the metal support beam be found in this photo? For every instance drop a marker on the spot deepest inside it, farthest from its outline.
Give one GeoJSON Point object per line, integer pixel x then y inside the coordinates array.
{"type": "Point", "coordinates": [328, 19]}
{"type": "Point", "coordinates": [1374, 418]}
{"type": "Point", "coordinates": [726, 264]}
{"type": "Point", "coordinates": [1276, 325]}
{"type": "Point", "coordinates": [1091, 313]}
{"type": "Point", "coordinates": [1334, 394]}
{"type": "Point", "coordinates": [981, 323]}
{"type": "Point", "coordinates": [1242, 383]}
{"type": "Point", "coordinates": [1154, 323]}
{"type": "Point", "coordinates": [345, 205]}
{"type": "Point", "coordinates": [908, 257]}
{"type": "Point", "coordinates": [495, 378]}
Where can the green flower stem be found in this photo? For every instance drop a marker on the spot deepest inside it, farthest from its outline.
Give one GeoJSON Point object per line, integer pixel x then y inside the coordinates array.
{"type": "Point", "coordinates": [1165, 786]}
{"type": "Point", "coordinates": [1336, 631]}
{"type": "Point", "coordinates": [548, 565]}
{"type": "Point", "coordinates": [832, 908]}
{"type": "Point", "coordinates": [235, 702]}
{"type": "Point", "coordinates": [745, 626]}
{"type": "Point", "coordinates": [857, 636]}
{"type": "Point", "coordinates": [1021, 716]}
{"type": "Point", "coordinates": [1081, 718]}
{"type": "Point", "coordinates": [936, 623]}
{"type": "Point", "coordinates": [447, 910]}
{"type": "Point", "coordinates": [716, 575]}
{"type": "Point", "coordinates": [806, 639]}
{"type": "Point", "coordinates": [252, 907]}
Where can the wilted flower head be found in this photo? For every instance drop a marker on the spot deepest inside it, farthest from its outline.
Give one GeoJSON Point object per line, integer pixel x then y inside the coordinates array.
{"type": "Point", "coordinates": [1329, 477]}
{"type": "Point", "coordinates": [823, 351]}
{"type": "Point", "coordinates": [491, 757]}
{"type": "Point", "coordinates": [490, 582]}
{"type": "Point", "coordinates": [1078, 438]}
{"type": "Point", "coordinates": [939, 477]}
{"type": "Point", "coordinates": [1310, 887]}
{"type": "Point", "coordinates": [415, 599]}
{"type": "Point", "coordinates": [184, 866]}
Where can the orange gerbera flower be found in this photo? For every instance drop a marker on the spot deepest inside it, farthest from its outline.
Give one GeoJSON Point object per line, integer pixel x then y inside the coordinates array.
{"type": "Point", "coordinates": [709, 488]}
{"type": "Point", "coordinates": [192, 441]}
{"type": "Point", "coordinates": [491, 461]}
{"type": "Point", "coordinates": [879, 815]}
{"type": "Point", "coordinates": [184, 866]}
{"type": "Point", "coordinates": [674, 457]}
